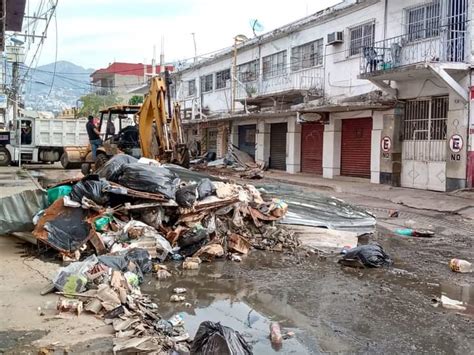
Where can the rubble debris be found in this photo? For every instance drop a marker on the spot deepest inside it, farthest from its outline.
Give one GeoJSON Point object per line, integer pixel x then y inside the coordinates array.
{"type": "Point", "coordinates": [191, 263]}
{"type": "Point", "coordinates": [275, 334]}
{"type": "Point", "coordinates": [58, 192]}
{"type": "Point", "coordinates": [459, 265]}
{"type": "Point", "coordinates": [409, 232]}
{"type": "Point", "coordinates": [131, 218]}
{"type": "Point", "coordinates": [72, 306]}
{"type": "Point", "coordinates": [214, 338]}
{"type": "Point", "coordinates": [370, 255]}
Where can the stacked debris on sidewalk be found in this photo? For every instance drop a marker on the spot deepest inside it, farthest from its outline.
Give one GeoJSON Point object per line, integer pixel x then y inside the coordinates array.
{"type": "Point", "coordinates": [235, 159]}
{"type": "Point", "coordinates": [131, 216]}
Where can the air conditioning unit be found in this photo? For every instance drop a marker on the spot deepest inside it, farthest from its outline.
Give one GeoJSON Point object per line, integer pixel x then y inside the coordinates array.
{"type": "Point", "coordinates": [335, 37]}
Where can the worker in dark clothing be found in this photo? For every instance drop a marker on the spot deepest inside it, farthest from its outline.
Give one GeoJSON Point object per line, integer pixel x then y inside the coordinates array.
{"type": "Point", "coordinates": [94, 136]}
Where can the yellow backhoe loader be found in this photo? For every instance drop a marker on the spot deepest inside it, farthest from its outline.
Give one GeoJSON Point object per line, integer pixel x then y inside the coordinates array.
{"type": "Point", "coordinates": [159, 134]}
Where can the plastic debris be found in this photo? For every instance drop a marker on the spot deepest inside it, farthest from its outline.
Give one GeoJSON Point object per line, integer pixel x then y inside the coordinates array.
{"type": "Point", "coordinates": [214, 338]}
{"type": "Point", "coordinates": [371, 255]}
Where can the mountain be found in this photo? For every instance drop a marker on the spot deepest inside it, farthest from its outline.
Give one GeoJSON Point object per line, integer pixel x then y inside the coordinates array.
{"type": "Point", "coordinates": [55, 86]}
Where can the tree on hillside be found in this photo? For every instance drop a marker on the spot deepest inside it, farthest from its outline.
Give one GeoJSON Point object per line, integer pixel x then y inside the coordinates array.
{"type": "Point", "coordinates": [92, 103]}
{"type": "Point", "coordinates": [135, 100]}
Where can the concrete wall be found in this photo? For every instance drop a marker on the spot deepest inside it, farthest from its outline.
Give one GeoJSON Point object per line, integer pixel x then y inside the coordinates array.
{"type": "Point", "coordinates": [124, 83]}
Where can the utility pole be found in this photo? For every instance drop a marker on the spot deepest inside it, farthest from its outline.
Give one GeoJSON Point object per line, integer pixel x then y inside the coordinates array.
{"type": "Point", "coordinates": [15, 88]}
{"type": "Point", "coordinates": [195, 47]}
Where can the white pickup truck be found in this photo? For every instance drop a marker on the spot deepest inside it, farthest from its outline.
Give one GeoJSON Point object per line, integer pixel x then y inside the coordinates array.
{"type": "Point", "coordinates": [41, 140]}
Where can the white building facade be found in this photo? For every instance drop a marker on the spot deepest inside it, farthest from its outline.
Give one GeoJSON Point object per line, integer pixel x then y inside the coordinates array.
{"type": "Point", "coordinates": [374, 89]}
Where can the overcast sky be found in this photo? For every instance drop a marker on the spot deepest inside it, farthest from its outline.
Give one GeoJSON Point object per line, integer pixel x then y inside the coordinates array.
{"type": "Point", "coordinates": [93, 33]}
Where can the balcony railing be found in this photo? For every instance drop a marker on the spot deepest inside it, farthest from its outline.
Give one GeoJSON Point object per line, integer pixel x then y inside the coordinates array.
{"type": "Point", "coordinates": [413, 48]}
{"type": "Point", "coordinates": [311, 80]}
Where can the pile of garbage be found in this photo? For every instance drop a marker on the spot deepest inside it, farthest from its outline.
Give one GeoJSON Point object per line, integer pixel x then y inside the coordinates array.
{"type": "Point", "coordinates": [128, 218]}
{"type": "Point", "coordinates": [235, 159]}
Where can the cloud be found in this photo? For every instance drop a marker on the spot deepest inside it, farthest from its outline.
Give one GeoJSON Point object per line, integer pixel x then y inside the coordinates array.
{"type": "Point", "coordinates": [93, 33]}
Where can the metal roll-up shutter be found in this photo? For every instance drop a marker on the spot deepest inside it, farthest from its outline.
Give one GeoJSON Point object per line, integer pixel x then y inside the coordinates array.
{"type": "Point", "coordinates": [247, 139]}
{"type": "Point", "coordinates": [312, 148]}
{"type": "Point", "coordinates": [278, 146]}
{"type": "Point", "coordinates": [355, 147]}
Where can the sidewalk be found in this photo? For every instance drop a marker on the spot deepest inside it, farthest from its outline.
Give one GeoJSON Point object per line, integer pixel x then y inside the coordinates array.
{"type": "Point", "coordinates": [461, 203]}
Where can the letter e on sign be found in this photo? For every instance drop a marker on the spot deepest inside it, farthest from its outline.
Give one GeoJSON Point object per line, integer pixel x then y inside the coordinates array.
{"type": "Point", "coordinates": [386, 144]}
{"type": "Point", "coordinates": [455, 143]}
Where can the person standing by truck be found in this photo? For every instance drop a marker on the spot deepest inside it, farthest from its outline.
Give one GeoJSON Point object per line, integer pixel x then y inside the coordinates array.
{"type": "Point", "coordinates": [94, 136]}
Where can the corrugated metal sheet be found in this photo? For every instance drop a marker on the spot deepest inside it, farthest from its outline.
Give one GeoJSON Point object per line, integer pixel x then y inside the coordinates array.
{"type": "Point", "coordinates": [278, 146]}
{"type": "Point", "coordinates": [312, 148]}
{"type": "Point", "coordinates": [247, 139]}
{"type": "Point", "coordinates": [355, 147]}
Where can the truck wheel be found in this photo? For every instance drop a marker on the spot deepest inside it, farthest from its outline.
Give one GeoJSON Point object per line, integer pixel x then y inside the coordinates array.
{"type": "Point", "coordinates": [67, 164]}
{"type": "Point", "coordinates": [5, 158]}
{"type": "Point", "coordinates": [100, 160]}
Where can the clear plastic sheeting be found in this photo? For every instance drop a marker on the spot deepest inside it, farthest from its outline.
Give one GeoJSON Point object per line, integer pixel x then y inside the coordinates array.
{"type": "Point", "coordinates": [17, 211]}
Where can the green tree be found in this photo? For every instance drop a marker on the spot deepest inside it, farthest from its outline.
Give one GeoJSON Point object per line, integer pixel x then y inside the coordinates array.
{"type": "Point", "coordinates": [92, 103]}
{"type": "Point", "coordinates": [135, 100]}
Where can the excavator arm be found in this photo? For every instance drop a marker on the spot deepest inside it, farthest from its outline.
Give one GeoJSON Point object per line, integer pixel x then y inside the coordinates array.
{"type": "Point", "coordinates": [161, 137]}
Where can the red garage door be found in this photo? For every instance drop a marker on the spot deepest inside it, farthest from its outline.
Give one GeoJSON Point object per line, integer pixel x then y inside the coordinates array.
{"type": "Point", "coordinates": [312, 148]}
{"type": "Point", "coordinates": [356, 145]}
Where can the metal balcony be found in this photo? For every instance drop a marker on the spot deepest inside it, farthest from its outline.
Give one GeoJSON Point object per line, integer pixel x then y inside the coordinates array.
{"type": "Point", "coordinates": [388, 58]}
{"type": "Point", "coordinates": [291, 84]}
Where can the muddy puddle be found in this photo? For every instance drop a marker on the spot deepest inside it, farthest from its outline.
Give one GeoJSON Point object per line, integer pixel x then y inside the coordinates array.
{"type": "Point", "coordinates": [13, 179]}
{"type": "Point", "coordinates": [215, 295]}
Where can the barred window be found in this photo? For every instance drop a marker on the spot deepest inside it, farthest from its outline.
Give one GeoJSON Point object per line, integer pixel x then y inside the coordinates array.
{"type": "Point", "coordinates": [361, 36]}
{"type": "Point", "coordinates": [223, 79]}
{"type": "Point", "coordinates": [425, 119]}
{"type": "Point", "coordinates": [307, 55]}
{"type": "Point", "coordinates": [274, 65]}
{"type": "Point", "coordinates": [423, 21]}
{"type": "Point", "coordinates": [248, 71]}
{"type": "Point", "coordinates": [207, 83]}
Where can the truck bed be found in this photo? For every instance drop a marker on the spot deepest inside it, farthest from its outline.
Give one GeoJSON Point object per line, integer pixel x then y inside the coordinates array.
{"type": "Point", "coordinates": [61, 133]}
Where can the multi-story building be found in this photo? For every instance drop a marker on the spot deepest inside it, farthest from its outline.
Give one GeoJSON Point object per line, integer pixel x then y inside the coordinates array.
{"type": "Point", "coordinates": [120, 78]}
{"type": "Point", "coordinates": [369, 88]}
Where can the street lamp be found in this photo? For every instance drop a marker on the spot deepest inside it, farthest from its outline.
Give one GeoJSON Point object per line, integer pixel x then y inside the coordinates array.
{"type": "Point", "coordinates": [237, 40]}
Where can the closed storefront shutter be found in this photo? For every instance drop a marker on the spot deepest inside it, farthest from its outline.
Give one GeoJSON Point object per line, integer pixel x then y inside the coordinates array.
{"type": "Point", "coordinates": [355, 147]}
{"type": "Point", "coordinates": [247, 139]}
{"type": "Point", "coordinates": [278, 146]}
{"type": "Point", "coordinates": [312, 148]}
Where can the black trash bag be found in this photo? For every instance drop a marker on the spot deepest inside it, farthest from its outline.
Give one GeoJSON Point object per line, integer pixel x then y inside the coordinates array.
{"type": "Point", "coordinates": [205, 188]}
{"type": "Point", "coordinates": [112, 169]}
{"type": "Point", "coordinates": [216, 339]}
{"type": "Point", "coordinates": [149, 178]}
{"type": "Point", "coordinates": [69, 231]}
{"type": "Point", "coordinates": [116, 262]}
{"type": "Point", "coordinates": [370, 255]}
{"type": "Point", "coordinates": [94, 190]}
{"type": "Point", "coordinates": [191, 241]}
{"type": "Point", "coordinates": [186, 196]}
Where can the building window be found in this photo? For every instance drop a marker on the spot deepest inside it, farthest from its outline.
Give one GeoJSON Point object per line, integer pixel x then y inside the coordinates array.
{"type": "Point", "coordinates": [248, 71]}
{"type": "Point", "coordinates": [274, 65]}
{"type": "Point", "coordinates": [423, 21]}
{"type": "Point", "coordinates": [361, 36]}
{"type": "Point", "coordinates": [425, 119]}
{"type": "Point", "coordinates": [206, 83]}
{"type": "Point", "coordinates": [307, 55]}
{"type": "Point", "coordinates": [192, 87]}
{"type": "Point", "coordinates": [223, 79]}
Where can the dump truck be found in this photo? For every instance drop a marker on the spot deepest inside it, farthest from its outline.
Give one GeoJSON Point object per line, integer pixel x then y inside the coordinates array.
{"type": "Point", "coordinates": [31, 139]}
